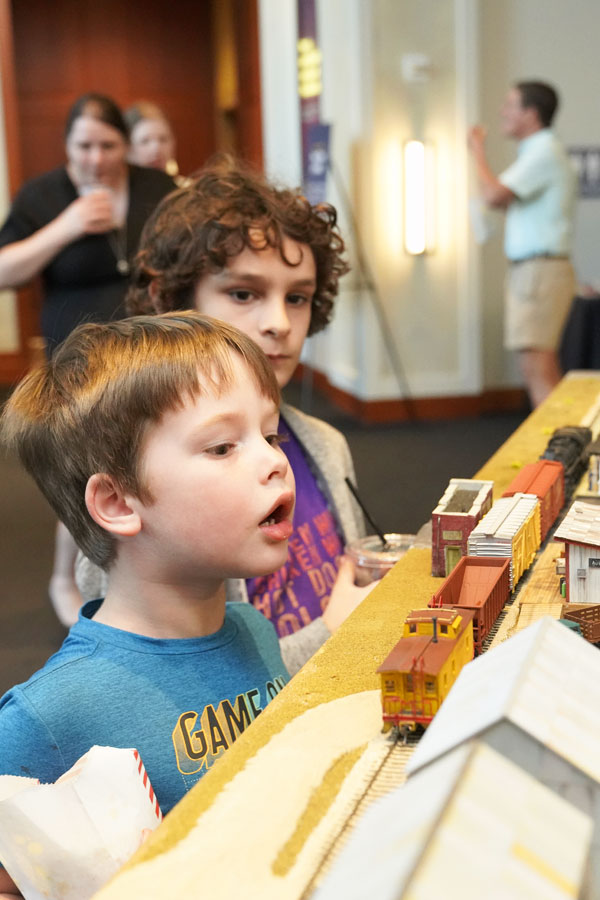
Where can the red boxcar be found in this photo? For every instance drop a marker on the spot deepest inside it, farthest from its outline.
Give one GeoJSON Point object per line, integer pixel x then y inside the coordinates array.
{"type": "Point", "coordinates": [479, 583]}
{"type": "Point", "coordinates": [545, 479]}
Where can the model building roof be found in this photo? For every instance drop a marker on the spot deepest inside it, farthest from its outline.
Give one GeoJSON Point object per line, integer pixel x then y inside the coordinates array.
{"type": "Point", "coordinates": [471, 489]}
{"type": "Point", "coordinates": [544, 680]}
{"type": "Point", "coordinates": [581, 525]}
{"type": "Point", "coordinates": [421, 651]}
{"type": "Point", "coordinates": [445, 822]}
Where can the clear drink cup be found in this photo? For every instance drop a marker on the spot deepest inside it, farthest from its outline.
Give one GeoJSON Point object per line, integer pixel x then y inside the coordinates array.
{"type": "Point", "coordinates": [371, 560]}
{"type": "Point", "coordinates": [96, 188]}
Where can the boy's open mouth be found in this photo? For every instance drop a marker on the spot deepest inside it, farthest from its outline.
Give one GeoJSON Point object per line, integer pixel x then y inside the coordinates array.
{"type": "Point", "coordinates": [280, 512]}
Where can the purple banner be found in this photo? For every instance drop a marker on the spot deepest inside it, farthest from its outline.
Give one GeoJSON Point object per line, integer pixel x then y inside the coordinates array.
{"type": "Point", "coordinates": [315, 135]}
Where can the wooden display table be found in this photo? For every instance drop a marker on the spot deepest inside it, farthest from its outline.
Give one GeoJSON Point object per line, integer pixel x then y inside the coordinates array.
{"type": "Point", "coordinates": [252, 827]}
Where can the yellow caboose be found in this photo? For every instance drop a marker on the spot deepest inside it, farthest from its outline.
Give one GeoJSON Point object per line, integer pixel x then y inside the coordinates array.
{"type": "Point", "coordinates": [424, 664]}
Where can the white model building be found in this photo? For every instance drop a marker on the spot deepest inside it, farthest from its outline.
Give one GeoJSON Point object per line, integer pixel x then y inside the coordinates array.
{"type": "Point", "coordinates": [580, 531]}
{"type": "Point", "coordinates": [471, 825]}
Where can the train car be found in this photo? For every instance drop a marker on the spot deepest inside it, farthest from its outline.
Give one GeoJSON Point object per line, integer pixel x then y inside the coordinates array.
{"type": "Point", "coordinates": [511, 529]}
{"type": "Point", "coordinates": [480, 584]}
{"type": "Point", "coordinates": [546, 479]}
{"type": "Point", "coordinates": [570, 446]}
{"type": "Point", "coordinates": [417, 675]}
{"type": "Point", "coordinates": [463, 504]}
{"type": "Point", "coordinates": [586, 616]}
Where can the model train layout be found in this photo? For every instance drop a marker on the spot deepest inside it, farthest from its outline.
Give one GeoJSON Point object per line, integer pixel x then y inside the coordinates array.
{"type": "Point", "coordinates": [501, 546]}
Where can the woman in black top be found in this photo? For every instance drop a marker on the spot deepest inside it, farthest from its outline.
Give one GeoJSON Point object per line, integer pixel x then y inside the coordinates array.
{"type": "Point", "coordinates": [78, 227]}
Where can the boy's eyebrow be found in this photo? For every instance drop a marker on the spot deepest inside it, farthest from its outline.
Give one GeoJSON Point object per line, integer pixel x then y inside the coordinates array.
{"type": "Point", "coordinates": [218, 419]}
{"type": "Point", "coordinates": [258, 277]}
{"type": "Point", "coordinates": [305, 282]}
{"type": "Point", "coordinates": [223, 419]}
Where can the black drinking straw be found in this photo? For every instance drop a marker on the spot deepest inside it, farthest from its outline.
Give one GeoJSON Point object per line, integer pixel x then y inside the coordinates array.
{"type": "Point", "coordinates": [378, 531]}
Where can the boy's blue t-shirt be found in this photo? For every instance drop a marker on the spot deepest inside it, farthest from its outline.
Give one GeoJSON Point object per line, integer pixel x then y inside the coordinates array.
{"type": "Point", "coordinates": [180, 702]}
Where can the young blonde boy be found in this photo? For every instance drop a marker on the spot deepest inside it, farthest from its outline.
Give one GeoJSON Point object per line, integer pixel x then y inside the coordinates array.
{"type": "Point", "coordinates": [155, 441]}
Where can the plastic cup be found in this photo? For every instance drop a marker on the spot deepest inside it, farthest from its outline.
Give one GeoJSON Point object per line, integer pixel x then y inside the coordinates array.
{"type": "Point", "coordinates": [371, 561]}
{"type": "Point", "coordinates": [95, 188]}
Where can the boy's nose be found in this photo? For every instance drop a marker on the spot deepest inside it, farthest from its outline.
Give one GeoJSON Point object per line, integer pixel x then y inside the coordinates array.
{"type": "Point", "coordinates": [277, 462]}
{"type": "Point", "coordinates": [275, 319]}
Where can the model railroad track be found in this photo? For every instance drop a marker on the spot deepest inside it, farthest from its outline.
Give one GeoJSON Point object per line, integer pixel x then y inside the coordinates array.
{"type": "Point", "coordinates": [387, 775]}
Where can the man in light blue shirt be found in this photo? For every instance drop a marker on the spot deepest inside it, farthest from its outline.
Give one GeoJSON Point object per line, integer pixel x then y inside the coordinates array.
{"type": "Point", "coordinates": [538, 193]}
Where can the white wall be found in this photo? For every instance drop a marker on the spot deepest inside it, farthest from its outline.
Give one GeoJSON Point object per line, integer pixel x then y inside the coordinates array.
{"type": "Point", "coordinates": [280, 109]}
{"type": "Point", "coordinates": [430, 300]}
{"type": "Point", "coordinates": [444, 311]}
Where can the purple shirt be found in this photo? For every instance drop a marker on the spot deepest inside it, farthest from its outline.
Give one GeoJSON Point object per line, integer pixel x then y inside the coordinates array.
{"type": "Point", "coordinates": [299, 592]}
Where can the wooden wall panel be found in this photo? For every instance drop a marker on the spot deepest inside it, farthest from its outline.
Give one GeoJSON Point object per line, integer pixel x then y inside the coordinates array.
{"type": "Point", "coordinates": [9, 96]}
{"type": "Point", "coordinates": [151, 49]}
{"type": "Point", "coordinates": [249, 119]}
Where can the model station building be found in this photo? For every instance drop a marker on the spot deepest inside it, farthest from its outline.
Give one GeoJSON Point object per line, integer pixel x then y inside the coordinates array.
{"type": "Point", "coordinates": [580, 532]}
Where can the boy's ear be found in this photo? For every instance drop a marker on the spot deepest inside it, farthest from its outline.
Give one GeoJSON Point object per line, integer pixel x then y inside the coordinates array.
{"type": "Point", "coordinates": [110, 507]}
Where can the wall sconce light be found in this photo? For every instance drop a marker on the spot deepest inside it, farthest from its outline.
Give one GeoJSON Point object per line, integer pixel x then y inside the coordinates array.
{"type": "Point", "coordinates": [419, 198]}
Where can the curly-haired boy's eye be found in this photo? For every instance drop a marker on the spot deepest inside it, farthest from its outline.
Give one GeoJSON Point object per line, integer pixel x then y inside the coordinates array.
{"type": "Point", "coordinates": [242, 296]}
{"type": "Point", "coordinates": [297, 299]}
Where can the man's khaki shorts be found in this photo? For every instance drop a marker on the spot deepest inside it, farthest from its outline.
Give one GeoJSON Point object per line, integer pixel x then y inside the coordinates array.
{"type": "Point", "coordinates": [539, 293]}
